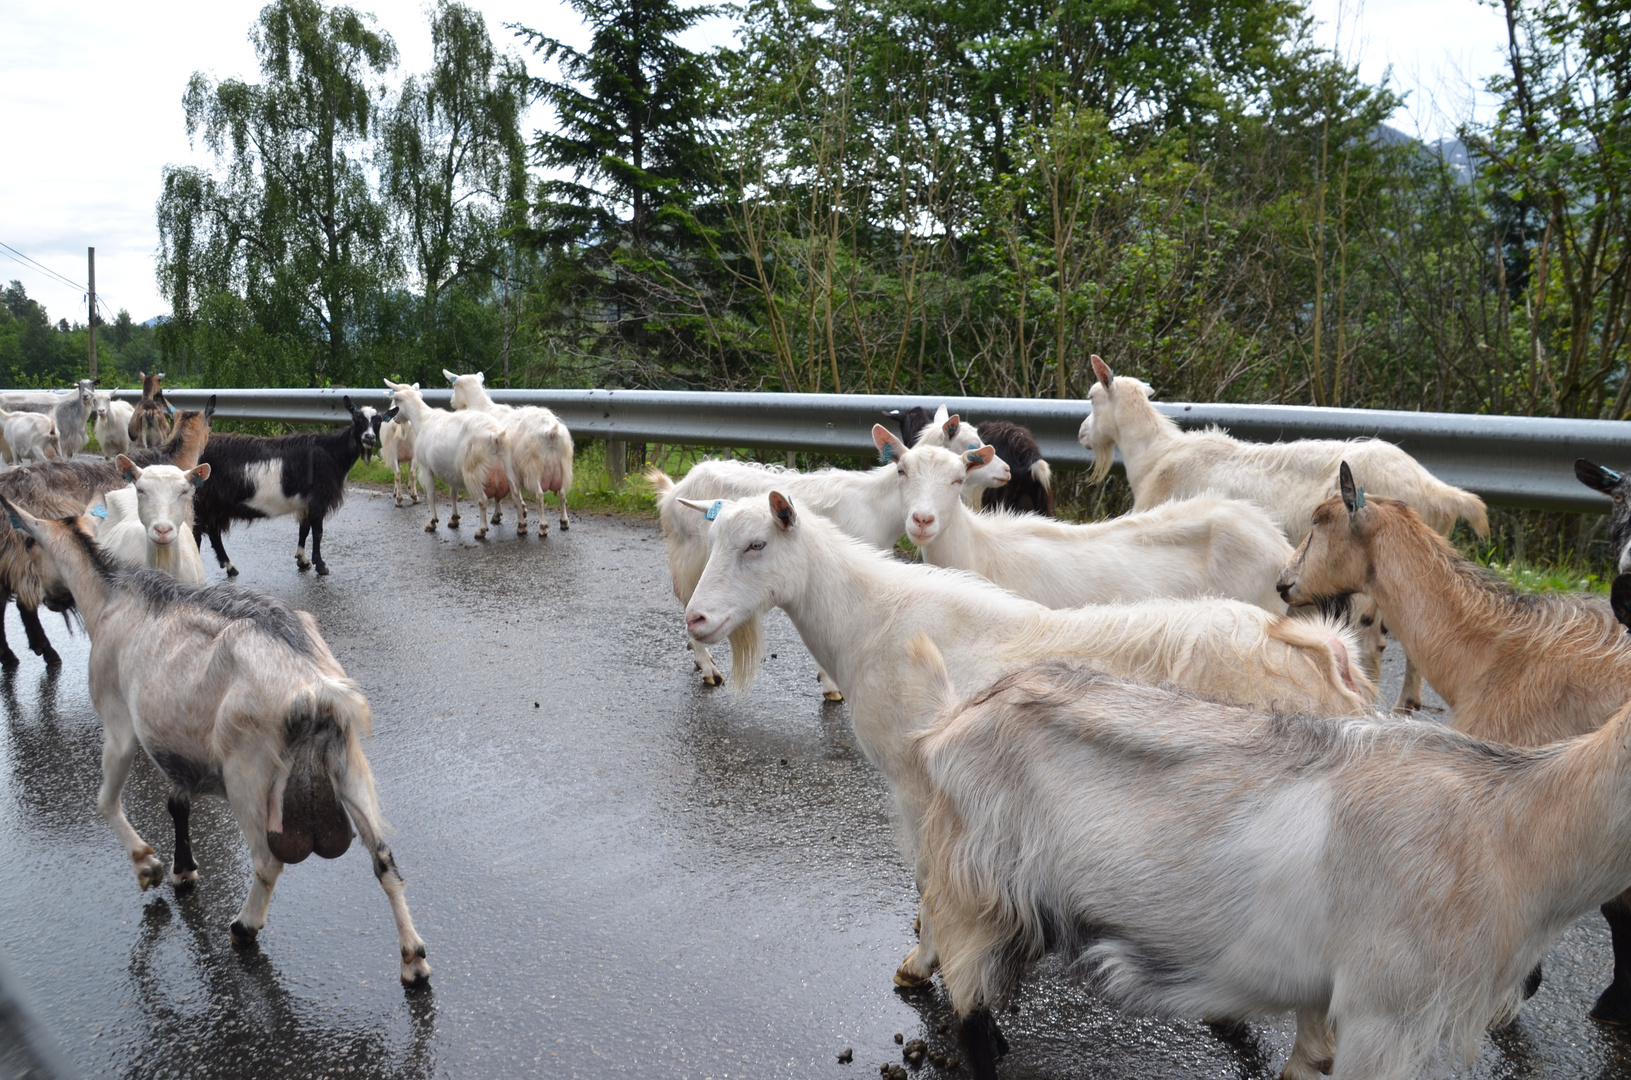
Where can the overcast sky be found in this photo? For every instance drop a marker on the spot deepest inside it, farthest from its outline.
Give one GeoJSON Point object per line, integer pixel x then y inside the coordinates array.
{"type": "Point", "coordinates": [90, 106]}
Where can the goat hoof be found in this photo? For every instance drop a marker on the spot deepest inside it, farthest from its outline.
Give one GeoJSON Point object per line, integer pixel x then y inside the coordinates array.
{"type": "Point", "coordinates": [520, 530]}
{"type": "Point", "coordinates": [432, 526]}
{"type": "Point", "coordinates": [713, 678]}
{"type": "Point", "coordinates": [543, 529]}
{"type": "Point", "coordinates": [908, 976]}
{"type": "Point", "coordinates": [565, 524]}
{"type": "Point", "coordinates": [9, 659]}
{"type": "Point", "coordinates": [415, 969]}
{"type": "Point", "coordinates": [183, 880]}
{"type": "Point", "coordinates": [302, 566]}
{"type": "Point", "coordinates": [833, 695]}
{"type": "Point", "coordinates": [232, 571]}
{"type": "Point", "coordinates": [1613, 1008]}
{"type": "Point", "coordinates": [243, 937]}
{"type": "Point", "coordinates": [149, 870]}
{"type": "Point", "coordinates": [322, 569]}
{"type": "Point", "coordinates": [49, 655]}
{"type": "Point", "coordinates": [453, 522]}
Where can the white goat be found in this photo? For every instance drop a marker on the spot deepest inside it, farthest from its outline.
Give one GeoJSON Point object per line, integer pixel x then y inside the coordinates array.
{"type": "Point", "coordinates": [856, 608]}
{"type": "Point", "coordinates": [227, 689]}
{"type": "Point", "coordinates": [1393, 882]}
{"type": "Point", "coordinates": [396, 450]}
{"type": "Point", "coordinates": [113, 426]}
{"type": "Point", "coordinates": [540, 448]}
{"type": "Point", "coordinates": [950, 433]}
{"type": "Point", "coordinates": [1206, 546]}
{"type": "Point", "coordinates": [150, 523]}
{"type": "Point", "coordinates": [863, 504]}
{"type": "Point", "coordinates": [28, 436]}
{"type": "Point", "coordinates": [1287, 479]}
{"type": "Point", "coordinates": [465, 449]}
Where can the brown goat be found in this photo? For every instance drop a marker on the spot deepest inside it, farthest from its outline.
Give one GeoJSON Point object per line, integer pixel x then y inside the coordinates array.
{"type": "Point", "coordinates": [65, 488]}
{"type": "Point", "coordinates": [1513, 667]}
{"type": "Point", "coordinates": [150, 423]}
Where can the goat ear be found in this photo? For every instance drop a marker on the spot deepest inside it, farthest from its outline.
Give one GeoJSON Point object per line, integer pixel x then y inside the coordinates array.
{"type": "Point", "coordinates": [209, 407]}
{"type": "Point", "coordinates": [1102, 370]}
{"type": "Point", "coordinates": [782, 507]}
{"type": "Point", "coordinates": [416, 386]}
{"type": "Point", "coordinates": [1619, 598]}
{"type": "Point", "coordinates": [198, 474]}
{"type": "Point", "coordinates": [390, 414]}
{"type": "Point", "coordinates": [128, 469]}
{"type": "Point", "coordinates": [1595, 476]}
{"type": "Point", "coordinates": [20, 519]}
{"type": "Point", "coordinates": [349, 407]}
{"type": "Point", "coordinates": [950, 425]}
{"type": "Point", "coordinates": [450, 376]}
{"type": "Point", "coordinates": [940, 415]}
{"type": "Point", "coordinates": [1353, 497]}
{"type": "Point", "coordinates": [977, 458]}
{"type": "Point", "coordinates": [481, 377]}
{"type": "Point", "coordinates": [889, 447]}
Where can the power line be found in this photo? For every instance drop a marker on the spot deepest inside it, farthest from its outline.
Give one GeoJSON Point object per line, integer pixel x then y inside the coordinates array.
{"type": "Point", "coordinates": [18, 256]}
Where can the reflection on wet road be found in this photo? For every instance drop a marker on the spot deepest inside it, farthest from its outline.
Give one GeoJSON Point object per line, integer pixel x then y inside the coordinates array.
{"type": "Point", "coordinates": [616, 869]}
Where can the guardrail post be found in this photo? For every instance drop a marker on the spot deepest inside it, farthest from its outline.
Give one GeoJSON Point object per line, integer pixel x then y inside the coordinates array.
{"type": "Point", "coordinates": [617, 460]}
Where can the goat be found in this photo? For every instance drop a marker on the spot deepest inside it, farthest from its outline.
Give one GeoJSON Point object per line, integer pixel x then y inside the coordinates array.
{"type": "Point", "coordinates": [919, 427]}
{"type": "Point", "coordinates": [1616, 487]}
{"type": "Point", "coordinates": [1287, 479]}
{"type": "Point", "coordinates": [113, 427]}
{"type": "Point", "coordinates": [1393, 882]}
{"type": "Point", "coordinates": [150, 523]}
{"type": "Point", "coordinates": [460, 449]}
{"type": "Point", "coordinates": [29, 436]}
{"type": "Point", "coordinates": [1513, 668]}
{"type": "Point", "coordinates": [865, 505]}
{"type": "Point", "coordinates": [227, 690]}
{"type": "Point", "coordinates": [856, 608]}
{"type": "Point", "coordinates": [1205, 546]}
{"type": "Point", "coordinates": [266, 477]}
{"type": "Point", "coordinates": [539, 446]}
{"type": "Point", "coordinates": [150, 420]}
{"type": "Point", "coordinates": [65, 488]}
{"type": "Point", "coordinates": [71, 411]}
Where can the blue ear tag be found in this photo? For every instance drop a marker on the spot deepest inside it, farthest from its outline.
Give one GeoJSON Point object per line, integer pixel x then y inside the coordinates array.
{"type": "Point", "coordinates": [886, 453]}
{"type": "Point", "coordinates": [99, 511]}
{"type": "Point", "coordinates": [713, 511]}
{"type": "Point", "coordinates": [1359, 500]}
{"type": "Point", "coordinates": [16, 522]}
{"type": "Point", "coordinates": [973, 446]}
{"type": "Point", "coordinates": [1615, 478]}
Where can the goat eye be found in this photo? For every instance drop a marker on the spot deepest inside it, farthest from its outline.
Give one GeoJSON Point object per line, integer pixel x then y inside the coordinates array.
{"type": "Point", "coordinates": [954, 483]}
{"type": "Point", "coordinates": [757, 545]}
{"type": "Point", "coordinates": [1366, 621]}
{"type": "Point", "coordinates": [1619, 498]}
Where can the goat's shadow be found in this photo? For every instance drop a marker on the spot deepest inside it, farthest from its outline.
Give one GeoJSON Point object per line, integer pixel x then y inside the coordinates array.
{"type": "Point", "coordinates": [56, 761]}
{"type": "Point", "coordinates": [248, 1022]}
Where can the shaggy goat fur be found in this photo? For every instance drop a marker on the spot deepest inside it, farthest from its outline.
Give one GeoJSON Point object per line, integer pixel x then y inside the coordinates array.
{"type": "Point", "coordinates": [1520, 668]}
{"type": "Point", "coordinates": [1205, 546]}
{"type": "Point", "coordinates": [149, 423]}
{"type": "Point", "coordinates": [856, 608]}
{"type": "Point", "coordinates": [1393, 882]}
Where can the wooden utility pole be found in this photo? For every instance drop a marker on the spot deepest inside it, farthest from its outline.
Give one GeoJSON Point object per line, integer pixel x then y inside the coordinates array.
{"type": "Point", "coordinates": [90, 255]}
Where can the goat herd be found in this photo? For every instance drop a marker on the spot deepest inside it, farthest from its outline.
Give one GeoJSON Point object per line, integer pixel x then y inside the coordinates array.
{"type": "Point", "coordinates": [1109, 741]}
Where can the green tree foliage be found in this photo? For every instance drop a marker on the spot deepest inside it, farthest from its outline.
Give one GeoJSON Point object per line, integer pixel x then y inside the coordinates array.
{"type": "Point", "coordinates": [454, 172]}
{"type": "Point", "coordinates": [34, 353]}
{"type": "Point", "coordinates": [293, 236]}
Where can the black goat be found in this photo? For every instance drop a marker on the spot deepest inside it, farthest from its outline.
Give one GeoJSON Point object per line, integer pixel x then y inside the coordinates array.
{"type": "Point", "coordinates": [1030, 490]}
{"type": "Point", "coordinates": [254, 477]}
{"type": "Point", "coordinates": [1617, 486]}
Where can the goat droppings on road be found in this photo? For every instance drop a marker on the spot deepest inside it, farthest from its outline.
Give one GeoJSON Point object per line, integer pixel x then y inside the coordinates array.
{"type": "Point", "coordinates": [535, 704]}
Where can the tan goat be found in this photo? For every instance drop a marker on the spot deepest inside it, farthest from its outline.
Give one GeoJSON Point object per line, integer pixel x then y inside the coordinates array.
{"type": "Point", "coordinates": [1514, 668]}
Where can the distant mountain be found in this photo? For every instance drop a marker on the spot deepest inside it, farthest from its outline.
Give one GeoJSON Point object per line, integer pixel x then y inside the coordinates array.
{"type": "Point", "coordinates": [156, 320]}
{"type": "Point", "coordinates": [1453, 152]}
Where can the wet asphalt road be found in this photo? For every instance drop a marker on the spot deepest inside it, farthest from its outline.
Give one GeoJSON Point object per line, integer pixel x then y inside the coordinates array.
{"type": "Point", "coordinates": [617, 870]}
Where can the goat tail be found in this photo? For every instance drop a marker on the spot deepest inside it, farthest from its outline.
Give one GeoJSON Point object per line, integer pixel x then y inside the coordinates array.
{"type": "Point", "coordinates": [661, 483]}
{"type": "Point", "coordinates": [927, 678]}
{"type": "Point", "coordinates": [1472, 510]}
{"type": "Point", "coordinates": [1334, 650]}
{"type": "Point", "coordinates": [322, 756]}
{"type": "Point", "coordinates": [1042, 474]}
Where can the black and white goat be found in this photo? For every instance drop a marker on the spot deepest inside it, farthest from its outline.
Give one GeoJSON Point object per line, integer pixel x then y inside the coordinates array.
{"type": "Point", "coordinates": [254, 477]}
{"type": "Point", "coordinates": [1617, 486]}
{"type": "Point", "coordinates": [1030, 487]}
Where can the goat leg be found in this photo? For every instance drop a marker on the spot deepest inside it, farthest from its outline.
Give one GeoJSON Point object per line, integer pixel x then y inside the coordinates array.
{"type": "Point", "coordinates": [301, 562]}
{"type": "Point", "coordinates": [978, 1036]}
{"type": "Point", "coordinates": [1614, 1006]}
{"type": "Point", "coordinates": [7, 657]}
{"type": "Point", "coordinates": [37, 641]}
{"type": "Point", "coordinates": [317, 548]}
{"type": "Point", "coordinates": [183, 872]}
{"type": "Point", "coordinates": [221, 559]}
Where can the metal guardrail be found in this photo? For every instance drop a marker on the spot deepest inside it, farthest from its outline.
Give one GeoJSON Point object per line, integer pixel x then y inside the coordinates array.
{"type": "Point", "coordinates": [1509, 460]}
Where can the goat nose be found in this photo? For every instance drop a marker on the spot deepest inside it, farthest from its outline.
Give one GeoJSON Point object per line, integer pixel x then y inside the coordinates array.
{"type": "Point", "coordinates": [923, 521]}
{"type": "Point", "coordinates": [1284, 589]}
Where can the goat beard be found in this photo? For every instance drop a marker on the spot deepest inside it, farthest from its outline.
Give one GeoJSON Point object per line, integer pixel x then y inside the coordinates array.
{"type": "Point", "coordinates": [747, 650]}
